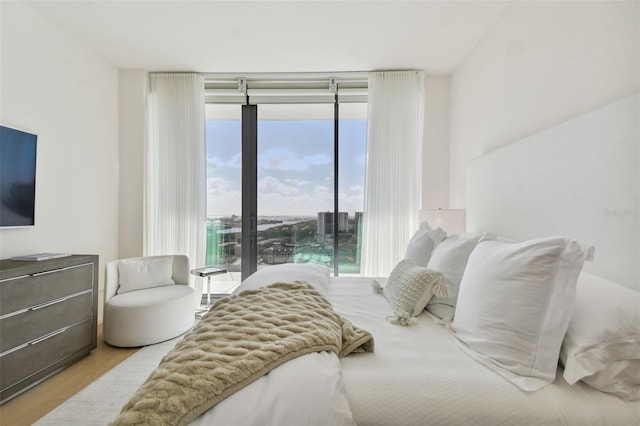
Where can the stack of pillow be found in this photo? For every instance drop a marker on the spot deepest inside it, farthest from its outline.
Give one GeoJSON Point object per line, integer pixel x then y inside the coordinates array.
{"type": "Point", "coordinates": [510, 306]}
{"type": "Point", "coordinates": [412, 284]}
{"type": "Point", "coordinates": [437, 258]}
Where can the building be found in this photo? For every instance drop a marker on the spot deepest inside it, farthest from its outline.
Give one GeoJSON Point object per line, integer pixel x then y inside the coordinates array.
{"type": "Point", "coordinates": [325, 224]}
{"type": "Point", "coordinates": [278, 253]}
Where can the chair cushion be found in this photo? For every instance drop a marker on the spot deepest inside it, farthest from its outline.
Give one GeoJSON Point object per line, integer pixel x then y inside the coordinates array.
{"type": "Point", "coordinates": [151, 296]}
{"type": "Point", "coordinates": [144, 317]}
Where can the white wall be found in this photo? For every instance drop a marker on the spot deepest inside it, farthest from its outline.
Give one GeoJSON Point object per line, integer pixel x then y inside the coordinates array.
{"type": "Point", "coordinates": [435, 147]}
{"type": "Point", "coordinates": [541, 64]}
{"type": "Point", "coordinates": [132, 97]}
{"type": "Point", "coordinates": [579, 178]}
{"type": "Point", "coordinates": [544, 63]}
{"type": "Point", "coordinates": [54, 87]}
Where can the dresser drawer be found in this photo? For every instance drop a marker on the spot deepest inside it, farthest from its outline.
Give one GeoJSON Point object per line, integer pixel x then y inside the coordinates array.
{"type": "Point", "coordinates": [39, 354]}
{"type": "Point", "coordinates": [31, 290]}
{"type": "Point", "coordinates": [41, 320]}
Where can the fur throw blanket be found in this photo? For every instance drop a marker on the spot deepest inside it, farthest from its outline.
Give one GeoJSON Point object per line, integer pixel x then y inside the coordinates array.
{"type": "Point", "coordinates": [239, 340]}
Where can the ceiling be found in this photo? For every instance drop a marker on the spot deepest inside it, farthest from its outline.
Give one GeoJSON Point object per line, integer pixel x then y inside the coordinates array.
{"type": "Point", "coordinates": [276, 36]}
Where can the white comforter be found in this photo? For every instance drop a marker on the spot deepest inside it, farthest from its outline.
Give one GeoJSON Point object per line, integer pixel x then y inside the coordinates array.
{"type": "Point", "coordinates": [304, 391]}
{"type": "Point", "coordinates": [418, 376]}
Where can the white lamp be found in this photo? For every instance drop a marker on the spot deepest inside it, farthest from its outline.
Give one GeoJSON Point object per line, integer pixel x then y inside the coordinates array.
{"type": "Point", "coordinates": [450, 220]}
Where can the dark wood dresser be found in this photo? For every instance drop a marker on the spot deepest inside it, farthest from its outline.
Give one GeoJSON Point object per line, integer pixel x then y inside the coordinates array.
{"type": "Point", "coordinates": [48, 318]}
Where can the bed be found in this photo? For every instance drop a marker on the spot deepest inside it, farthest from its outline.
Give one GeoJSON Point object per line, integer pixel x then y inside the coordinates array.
{"type": "Point", "coordinates": [417, 375]}
{"type": "Point", "coordinates": [434, 362]}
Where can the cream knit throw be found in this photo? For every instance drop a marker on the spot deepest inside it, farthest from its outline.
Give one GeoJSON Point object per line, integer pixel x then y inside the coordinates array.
{"type": "Point", "coordinates": [239, 340]}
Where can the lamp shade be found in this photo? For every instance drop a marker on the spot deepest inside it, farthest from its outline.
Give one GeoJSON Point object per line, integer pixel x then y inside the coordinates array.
{"type": "Point", "coordinates": [451, 220]}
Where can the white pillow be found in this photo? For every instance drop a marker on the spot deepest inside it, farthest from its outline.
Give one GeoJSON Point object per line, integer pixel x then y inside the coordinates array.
{"type": "Point", "coordinates": [138, 274]}
{"type": "Point", "coordinates": [315, 275]}
{"type": "Point", "coordinates": [421, 245]}
{"type": "Point", "coordinates": [425, 226]}
{"type": "Point", "coordinates": [514, 306]}
{"type": "Point", "coordinates": [602, 343]}
{"type": "Point", "coordinates": [410, 287]}
{"type": "Point", "coordinates": [450, 258]}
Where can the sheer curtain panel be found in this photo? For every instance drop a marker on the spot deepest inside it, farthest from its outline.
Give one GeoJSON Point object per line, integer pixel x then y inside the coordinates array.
{"type": "Point", "coordinates": [175, 186]}
{"type": "Point", "coordinates": [393, 173]}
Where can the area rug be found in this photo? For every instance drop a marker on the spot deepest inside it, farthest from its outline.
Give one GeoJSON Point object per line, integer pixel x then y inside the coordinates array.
{"type": "Point", "coordinates": [100, 402]}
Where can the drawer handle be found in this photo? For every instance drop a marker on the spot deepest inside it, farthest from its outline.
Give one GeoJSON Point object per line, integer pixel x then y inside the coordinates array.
{"type": "Point", "coordinates": [53, 271]}
{"type": "Point", "coordinates": [19, 277]}
{"type": "Point", "coordinates": [47, 336]}
{"type": "Point", "coordinates": [44, 305]}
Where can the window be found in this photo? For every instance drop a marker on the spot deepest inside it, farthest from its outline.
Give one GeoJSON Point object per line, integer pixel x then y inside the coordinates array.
{"type": "Point", "coordinates": [295, 178]}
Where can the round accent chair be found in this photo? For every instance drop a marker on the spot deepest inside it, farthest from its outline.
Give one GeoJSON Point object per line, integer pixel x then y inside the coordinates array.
{"type": "Point", "coordinates": [147, 300]}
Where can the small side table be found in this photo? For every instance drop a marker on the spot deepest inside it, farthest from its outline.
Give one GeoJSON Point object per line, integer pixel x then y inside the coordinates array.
{"type": "Point", "coordinates": [207, 272]}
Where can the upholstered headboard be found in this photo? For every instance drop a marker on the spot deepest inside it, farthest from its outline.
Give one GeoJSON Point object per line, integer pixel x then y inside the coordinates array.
{"type": "Point", "coordinates": [578, 179]}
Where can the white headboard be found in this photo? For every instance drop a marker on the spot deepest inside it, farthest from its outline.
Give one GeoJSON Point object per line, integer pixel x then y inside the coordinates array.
{"type": "Point", "coordinates": [579, 179]}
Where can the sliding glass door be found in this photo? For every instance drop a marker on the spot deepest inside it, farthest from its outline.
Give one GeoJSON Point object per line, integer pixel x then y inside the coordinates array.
{"type": "Point", "coordinates": [295, 165]}
{"type": "Point", "coordinates": [224, 191]}
{"type": "Point", "coordinates": [352, 157]}
{"type": "Point", "coordinates": [289, 171]}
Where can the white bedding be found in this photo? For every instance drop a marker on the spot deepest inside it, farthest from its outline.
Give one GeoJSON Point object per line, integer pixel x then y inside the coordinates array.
{"type": "Point", "coordinates": [317, 397]}
{"type": "Point", "coordinates": [418, 376]}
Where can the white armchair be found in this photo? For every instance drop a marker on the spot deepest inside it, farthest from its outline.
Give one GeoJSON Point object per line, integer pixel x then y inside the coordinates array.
{"type": "Point", "coordinates": [147, 300]}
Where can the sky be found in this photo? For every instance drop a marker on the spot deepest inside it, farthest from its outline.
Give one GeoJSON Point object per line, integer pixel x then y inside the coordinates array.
{"type": "Point", "coordinates": [295, 167]}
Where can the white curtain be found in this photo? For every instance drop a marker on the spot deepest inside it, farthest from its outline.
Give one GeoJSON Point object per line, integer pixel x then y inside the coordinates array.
{"type": "Point", "coordinates": [175, 182]}
{"type": "Point", "coordinates": [393, 171]}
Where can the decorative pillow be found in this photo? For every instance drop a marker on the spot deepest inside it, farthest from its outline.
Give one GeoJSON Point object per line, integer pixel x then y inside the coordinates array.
{"type": "Point", "coordinates": [315, 275]}
{"type": "Point", "coordinates": [422, 244]}
{"type": "Point", "coordinates": [450, 258]}
{"type": "Point", "coordinates": [602, 343]}
{"type": "Point", "coordinates": [514, 306]}
{"type": "Point", "coordinates": [410, 287]}
{"type": "Point", "coordinates": [138, 274]}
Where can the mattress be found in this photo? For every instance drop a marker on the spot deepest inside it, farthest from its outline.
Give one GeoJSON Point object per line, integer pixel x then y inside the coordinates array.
{"type": "Point", "coordinates": [419, 376]}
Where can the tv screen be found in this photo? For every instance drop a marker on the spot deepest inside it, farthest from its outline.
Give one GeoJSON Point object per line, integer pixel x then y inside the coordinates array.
{"type": "Point", "coordinates": [17, 177]}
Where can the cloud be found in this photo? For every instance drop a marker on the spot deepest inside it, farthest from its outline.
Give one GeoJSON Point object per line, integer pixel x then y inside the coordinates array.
{"type": "Point", "coordinates": [214, 163]}
{"type": "Point", "coordinates": [276, 197]}
{"type": "Point", "coordinates": [283, 159]}
{"type": "Point", "coordinates": [297, 182]}
{"type": "Point", "coordinates": [235, 161]}
{"type": "Point", "coordinates": [351, 202]}
{"type": "Point", "coordinates": [218, 184]}
{"type": "Point", "coordinates": [270, 185]}
{"type": "Point", "coordinates": [223, 197]}
{"type": "Point", "coordinates": [321, 190]}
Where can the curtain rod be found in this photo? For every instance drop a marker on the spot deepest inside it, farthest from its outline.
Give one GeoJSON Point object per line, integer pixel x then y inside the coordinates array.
{"type": "Point", "coordinates": [283, 75]}
{"type": "Point", "coordinates": [288, 75]}
{"type": "Point", "coordinates": [263, 75]}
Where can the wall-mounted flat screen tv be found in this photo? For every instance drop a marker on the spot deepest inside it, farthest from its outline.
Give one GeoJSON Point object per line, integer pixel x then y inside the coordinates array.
{"type": "Point", "coordinates": [17, 177]}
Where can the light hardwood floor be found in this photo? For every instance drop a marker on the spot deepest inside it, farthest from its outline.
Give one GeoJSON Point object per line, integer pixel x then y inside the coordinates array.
{"type": "Point", "coordinates": [39, 400]}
